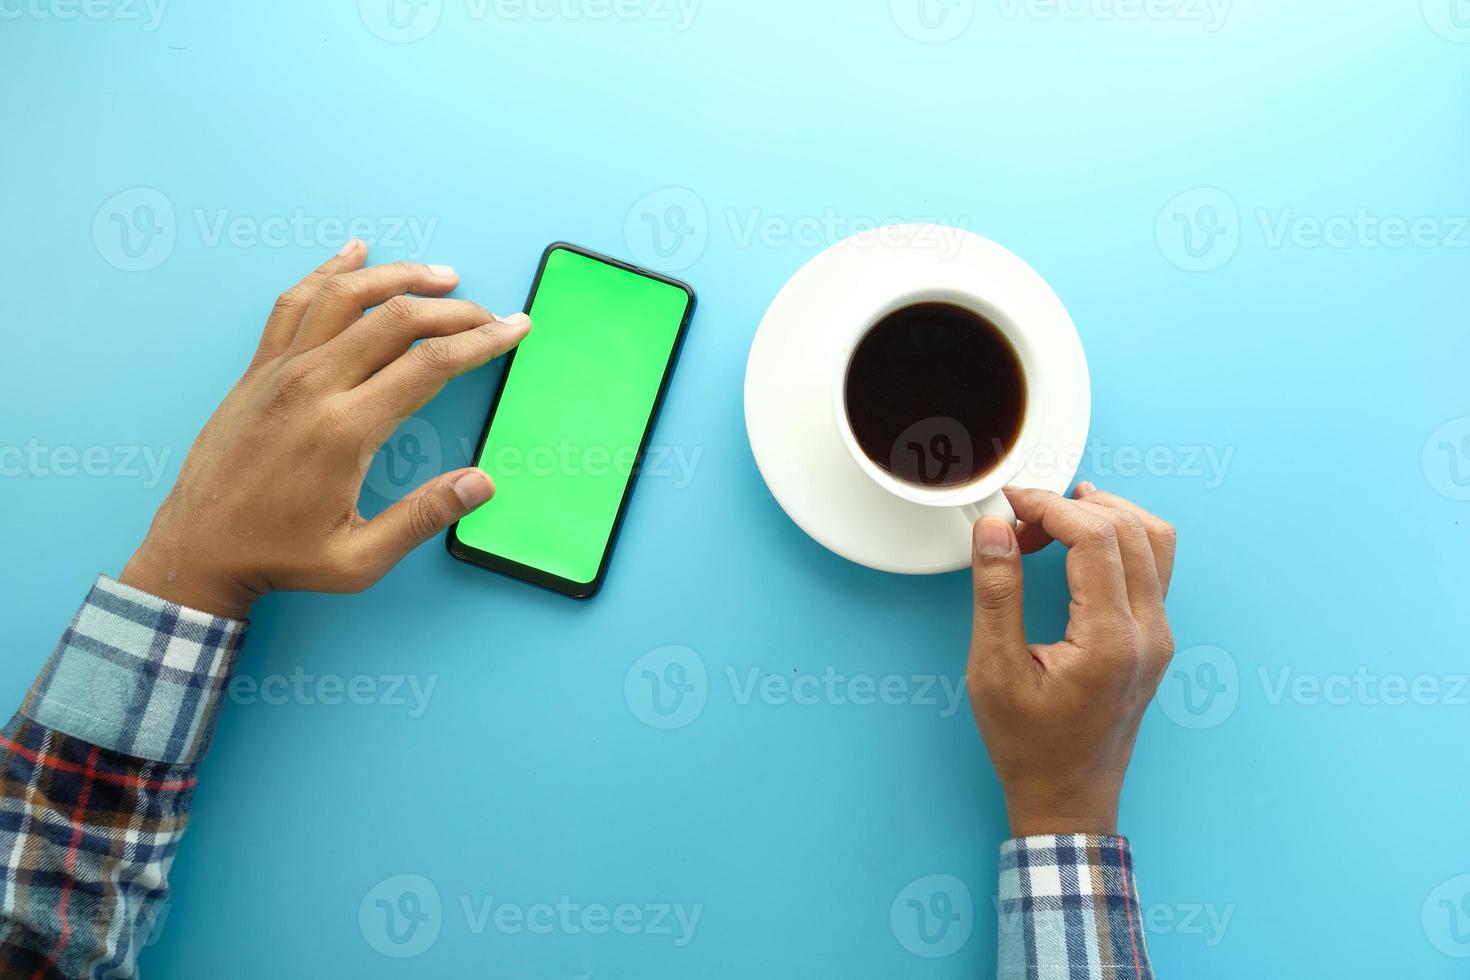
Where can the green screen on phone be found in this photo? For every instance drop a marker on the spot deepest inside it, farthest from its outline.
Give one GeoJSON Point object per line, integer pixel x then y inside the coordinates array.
{"type": "Point", "coordinates": [577, 401]}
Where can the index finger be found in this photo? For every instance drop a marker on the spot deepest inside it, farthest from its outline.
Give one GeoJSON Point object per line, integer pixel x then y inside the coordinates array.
{"type": "Point", "coordinates": [405, 385]}
{"type": "Point", "coordinates": [1094, 561]}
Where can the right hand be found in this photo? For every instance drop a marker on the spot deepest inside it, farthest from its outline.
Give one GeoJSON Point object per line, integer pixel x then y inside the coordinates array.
{"type": "Point", "coordinates": [1060, 720]}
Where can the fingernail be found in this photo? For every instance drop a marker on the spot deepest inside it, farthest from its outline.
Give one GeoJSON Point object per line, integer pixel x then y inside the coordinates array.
{"type": "Point", "coordinates": [1084, 488]}
{"type": "Point", "coordinates": [515, 320]}
{"type": "Point", "coordinates": [993, 538]}
{"type": "Point", "coordinates": [441, 271]}
{"type": "Point", "coordinates": [350, 247]}
{"type": "Point", "coordinates": [473, 489]}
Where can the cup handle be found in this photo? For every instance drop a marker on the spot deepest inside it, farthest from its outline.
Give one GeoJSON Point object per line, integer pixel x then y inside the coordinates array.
{"type": "Point", "coordinates": [995, 506]}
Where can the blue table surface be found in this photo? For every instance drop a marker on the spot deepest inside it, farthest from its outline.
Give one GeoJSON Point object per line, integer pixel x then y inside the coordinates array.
{"type": "Point", "coordinates": [1256, 213]}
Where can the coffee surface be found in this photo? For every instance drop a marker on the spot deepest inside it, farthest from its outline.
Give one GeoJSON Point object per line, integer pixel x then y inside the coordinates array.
{"type": "Point", "coordinates": [936, 394]}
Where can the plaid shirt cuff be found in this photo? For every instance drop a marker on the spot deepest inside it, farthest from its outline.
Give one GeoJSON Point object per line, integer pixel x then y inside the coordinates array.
{"type": "Point", "coordinates": [1069, 909]}
{"type": "Point", "coordinates": [138, 675]}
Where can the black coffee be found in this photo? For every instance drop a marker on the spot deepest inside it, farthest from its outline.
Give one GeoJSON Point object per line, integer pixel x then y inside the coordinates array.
{"type": "Point", "coordinates": [936, 394]}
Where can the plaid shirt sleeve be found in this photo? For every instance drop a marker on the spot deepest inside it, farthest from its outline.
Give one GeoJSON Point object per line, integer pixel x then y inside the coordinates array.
{"type": "Point", "coordinates": [98, 773]}
{"type": "Point", "coordinates": [1069, 910]}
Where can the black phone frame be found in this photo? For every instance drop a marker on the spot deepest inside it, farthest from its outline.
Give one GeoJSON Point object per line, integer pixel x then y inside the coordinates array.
{"type": "Point", "coordinates": [540, 577]}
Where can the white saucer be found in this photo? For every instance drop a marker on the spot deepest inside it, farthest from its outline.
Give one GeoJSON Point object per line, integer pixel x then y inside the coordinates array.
{"type": "Point", "coordinates": [789, 413]}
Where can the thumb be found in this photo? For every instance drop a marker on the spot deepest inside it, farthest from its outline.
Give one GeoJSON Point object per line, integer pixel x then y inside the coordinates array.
{"type": "Point", "coordinates": [424, 513]}
{"type": "Point", "coordinates": [1000, 625]}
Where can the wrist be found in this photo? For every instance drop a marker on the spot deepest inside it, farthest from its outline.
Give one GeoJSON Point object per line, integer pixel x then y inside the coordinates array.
{"type": "Point", "coordinates": [1096, 826]}
{"type": "Point", "coordinates": [166, 575]}
{"type": "Point", "coordinates": [1063, 816]}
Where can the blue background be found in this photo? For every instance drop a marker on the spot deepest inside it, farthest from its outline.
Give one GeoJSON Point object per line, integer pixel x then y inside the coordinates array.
{"type": "Point", "coordinates": [1332, 544]}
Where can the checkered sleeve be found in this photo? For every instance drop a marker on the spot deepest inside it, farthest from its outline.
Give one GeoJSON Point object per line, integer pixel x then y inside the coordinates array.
{"type": "Point", "coordinates": [97, 772]}
{"type": "Point", "coordinates": [1069, 910]}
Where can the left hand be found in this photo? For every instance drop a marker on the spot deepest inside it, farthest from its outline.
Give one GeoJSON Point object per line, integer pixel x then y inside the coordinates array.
{"type": "Point", "coordinates": [267, 499]}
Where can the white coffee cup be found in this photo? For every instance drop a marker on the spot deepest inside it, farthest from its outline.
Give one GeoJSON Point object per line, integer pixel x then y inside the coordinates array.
{"type": "Point", "coordinates": [982, 495]}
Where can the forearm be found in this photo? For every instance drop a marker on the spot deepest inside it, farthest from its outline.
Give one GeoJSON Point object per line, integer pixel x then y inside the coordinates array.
{"type": "Point", "coordinates": [99, 766]}
{"type": "Point", "coordinates": [1068, 907]}
{"type": "Point", "coordinates": [98, 774]}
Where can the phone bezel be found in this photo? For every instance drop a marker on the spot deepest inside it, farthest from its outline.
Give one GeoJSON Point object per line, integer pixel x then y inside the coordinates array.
{"type": "Point", "coordinates": [540, 577]}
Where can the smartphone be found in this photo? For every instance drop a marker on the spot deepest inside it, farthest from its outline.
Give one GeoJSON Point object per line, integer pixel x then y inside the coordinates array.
{"type": "Point", "coordinates": [571, 420]}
